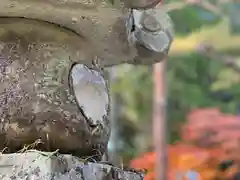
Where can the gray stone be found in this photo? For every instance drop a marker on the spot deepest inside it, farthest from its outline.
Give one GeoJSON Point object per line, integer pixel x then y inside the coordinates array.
{"type": "Point", "coordinates": [96, 24]}
{"type": "Point", "coordinates": [37, 165]}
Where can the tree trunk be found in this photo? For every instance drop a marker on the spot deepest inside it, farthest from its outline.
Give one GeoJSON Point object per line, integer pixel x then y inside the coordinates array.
{"type": "Point", "coordinates": [36, 165]}
{"type": "Point", "coordinates": [160, 121]}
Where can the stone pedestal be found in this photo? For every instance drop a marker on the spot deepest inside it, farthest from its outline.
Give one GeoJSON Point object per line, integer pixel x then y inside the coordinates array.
{"type": "Point", "coordinates": [37, 165]}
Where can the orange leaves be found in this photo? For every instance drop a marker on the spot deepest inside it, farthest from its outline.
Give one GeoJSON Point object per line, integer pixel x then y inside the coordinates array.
{"type": "Point", "coordinates": [147, 161]}
{"type": "Point", "coordinates": [150, 175]}
{"type": "Point", "coordinates": [198, 159]}
{"type": "Point", "coordinates": [208, 138]}
{"type": "Point", "coordinates": [183, 158]}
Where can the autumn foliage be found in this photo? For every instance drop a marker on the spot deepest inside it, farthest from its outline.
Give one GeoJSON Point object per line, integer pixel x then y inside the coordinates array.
{"type": "Point", "coordinates": [209, 138]}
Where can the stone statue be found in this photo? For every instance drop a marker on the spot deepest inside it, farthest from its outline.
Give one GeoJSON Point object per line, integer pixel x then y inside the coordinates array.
{"type": "Point", "coordinates": [52, 55]}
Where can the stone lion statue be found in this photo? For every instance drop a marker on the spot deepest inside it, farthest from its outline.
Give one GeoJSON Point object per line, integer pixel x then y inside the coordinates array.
{"type": "Point", "coordinates": [52, 55]}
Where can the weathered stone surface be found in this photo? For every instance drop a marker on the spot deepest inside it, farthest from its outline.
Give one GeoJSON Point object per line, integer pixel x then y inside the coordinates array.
{"type": "Point", "coordinates": [37, 165]}
{"type": "Point", "coordinates": [101, 26]}
{"type": "Point", "coordinates": [38, 92]}
{"type": "Point", "coordinates": [41, 41]}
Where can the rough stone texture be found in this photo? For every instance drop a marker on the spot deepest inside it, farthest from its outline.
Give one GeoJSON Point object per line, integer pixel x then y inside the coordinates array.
{"type": "Point", "coordinates": [40, 41]}
{"type": "Point", "coordinates": [37, 165]}
{"type": "Point", "coordinates": [36, 96]}
{"type": "Point", "coordinates": [100, 24]}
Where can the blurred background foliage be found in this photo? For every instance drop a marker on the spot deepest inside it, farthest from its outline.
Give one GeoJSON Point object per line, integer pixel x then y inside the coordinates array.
{"type": "Point", "coordinates": [209, 145]}
{"type": "Point", "coordinates": [194, 81]}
